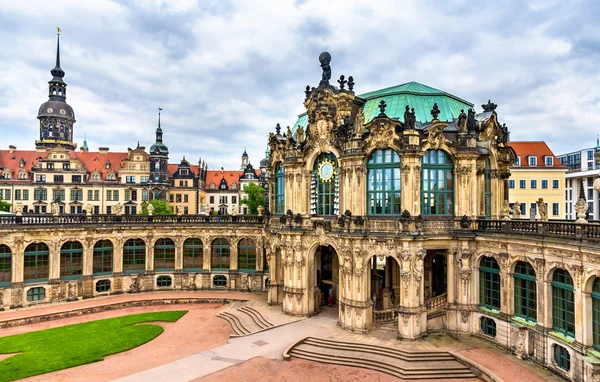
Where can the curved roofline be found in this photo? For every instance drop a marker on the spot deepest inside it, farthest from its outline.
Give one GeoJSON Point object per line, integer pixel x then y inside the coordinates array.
{"type": "Point", "coordinates": [381, 93]}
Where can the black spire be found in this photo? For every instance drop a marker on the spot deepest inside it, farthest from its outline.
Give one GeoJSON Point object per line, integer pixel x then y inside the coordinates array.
{"type": "Point", "coordinates": [57, 87]}
{"type": "Point", "coordinates": [57, 71]}
{"type": "Point", "coordinates": [159, 130]}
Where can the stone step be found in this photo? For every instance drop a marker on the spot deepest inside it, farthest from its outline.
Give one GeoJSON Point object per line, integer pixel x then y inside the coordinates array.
{"type": "Point", "coordinates": [257, 317]}
{"type": "Point", "coordinates": [380, 350]}
{"type": "Point", "coordinates": [382, 366]}
{"type": "Point", "coordinates": [238, 327]}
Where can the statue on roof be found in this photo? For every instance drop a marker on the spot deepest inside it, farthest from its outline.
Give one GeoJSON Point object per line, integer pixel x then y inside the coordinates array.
{"type": "Point", "coordinates": [435, 111]}
{"type": "Point", "coordinates": [325, 59]}
{"type": "Point", "coordinates": [409, 117]}
{"type": "Point", "coordinates": [462, 122]}
{"type": "Point", "coordinates": [342, 81]}
{"type": "Point", "coordinates": [299, 134]}
{"type": "Point", "coordinates": [471, 122]}
{"type": "Point", "coordinates": [490, 106]}
{"type": "Point", "coordinates": [502, 134]}
{"type": "Point", "coordinates": [350, 83]}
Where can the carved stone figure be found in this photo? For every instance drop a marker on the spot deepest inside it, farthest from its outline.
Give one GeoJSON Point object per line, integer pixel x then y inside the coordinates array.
{"type": "Point", "coordinates": [506, 210]}
{"type": "Point", "coordinates": [490, 106]}
{"type": "Point", "coordinates": [360, 123]}
{"type": "Point", "coordinates": [435, 111]}
{"type": "Point", "coordinates": [299, 134]}
{"type": "Point", "coordinates": [521, 344]}
{"type": "Point", "coordinates": [462, 122]}
{"type": "Point", "coordinates": [471, 122]}
{"type": "Point", "coordinates": [542, 209]}
{"type": "Point", "coordinates": [117, 209]}
{"type": "Point", "coordinates": [597, 184]}
{"type": "Point", "coordinates": [325, 59]}
{"type": "Point", "coordinates": [54, 208]}
{"type": "Point", "coordinates": [192, 284]}
{"type": "Point", "coordinates": [88, 209]}
{"type": "Point", "coordinates": [502, 135]}
{"type": "Point", "coordinates": [435, 136]}
{"type": "Point", "coordinates": [324, 125]}
{"type": "Point", "coordinates": [135, 284]}
{"type": "Point", "coordinates": [71, 292]}
{"type": "Point", "coordinates": [1, 302]}
{"type": "Point", "coordinates": [150, 209]}
{"type": "Point", "coordinates": [179, 209]}
{"type": "Point", "coordinates": [409, 117]}
{"type": "Point", "coordinates": [516, 210]}
{"type": "Point", "coordinates": [19, 209]}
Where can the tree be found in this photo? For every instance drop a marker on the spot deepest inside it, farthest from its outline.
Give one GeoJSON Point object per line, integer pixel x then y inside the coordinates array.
{"type": "Point", "coordinates": [161, 207]}
{"type": "Point", "coordinates": [256, 197]}
{"type": "Point", "coordinates": [4, 206]}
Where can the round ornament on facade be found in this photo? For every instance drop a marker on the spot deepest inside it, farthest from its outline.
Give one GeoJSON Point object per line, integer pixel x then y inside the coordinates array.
{"type": "Point", "coordinates": [63, 112]}
{"type": "Point", "coordinates": [50, 110]}
{"type": "Point", "coordinates": [326, 170]}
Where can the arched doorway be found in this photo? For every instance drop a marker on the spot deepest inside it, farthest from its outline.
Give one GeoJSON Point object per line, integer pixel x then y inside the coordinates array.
{"type": "Point", "coordinates": [436, 274]}
{"type": "Point", "coordinates": [327, 278]}
{"type": "Point", "coordinates": [384, 283]}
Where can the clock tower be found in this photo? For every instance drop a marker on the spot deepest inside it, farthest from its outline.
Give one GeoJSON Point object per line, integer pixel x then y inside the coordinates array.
{"type": "Point", "coordinates": [55, 115]}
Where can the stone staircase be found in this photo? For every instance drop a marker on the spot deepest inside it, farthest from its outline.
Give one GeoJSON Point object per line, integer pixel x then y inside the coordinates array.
{"type": "Point", "coordinates": [396, 362]}
{"type": "Point", "coordinates": [249, 317]}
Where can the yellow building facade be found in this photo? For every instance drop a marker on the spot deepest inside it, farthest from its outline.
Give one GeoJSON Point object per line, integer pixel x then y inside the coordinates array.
{"type": "Point", "coordinates": [536, 174]}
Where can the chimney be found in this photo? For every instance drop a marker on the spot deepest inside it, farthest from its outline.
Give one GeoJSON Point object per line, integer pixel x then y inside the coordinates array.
{"type": "Point", "coordinates": [11, 148]}
{"type": "Point", "coordinates": [103, 150]}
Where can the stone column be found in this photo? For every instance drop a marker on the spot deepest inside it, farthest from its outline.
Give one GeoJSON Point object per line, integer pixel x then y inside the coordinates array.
{"type": "Point", "coordinates": [150, 255]}
{"type": "Point", "coordinates": [17, 262]}
{"type": "Point", "coordinates": [586, 328]}
{"type": "Point", "coordinates": [412, 323]}
{"type": "Point", "coordinates": [451, 284]}
{"type": "Point", "coordinates": [117, 284]}
{"type": "Point", "coordinates": [179, 254]}
{"type": "Point", "coordinates": [88, 269]}
{"type": "Point", "coordinates": [578, 273]}
{"type": "Point", "coordinates": [411, 182]}
{"type": "Point", "coordinates": [54, 264]}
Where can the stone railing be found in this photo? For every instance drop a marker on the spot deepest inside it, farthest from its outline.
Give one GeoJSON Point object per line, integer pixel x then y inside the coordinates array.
{"type": "Point", "coordinates": [387, 315]}
{"type": "Point", "coordinates": [559, 229]}
{"type": "Point", "coordinates": [44, 220]}
{"type": "Point", "coordinates": [436, 303]}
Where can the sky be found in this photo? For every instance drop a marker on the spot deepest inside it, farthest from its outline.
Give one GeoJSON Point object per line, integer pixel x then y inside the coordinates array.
{"type": "Point", "coordinates": [226, 72]}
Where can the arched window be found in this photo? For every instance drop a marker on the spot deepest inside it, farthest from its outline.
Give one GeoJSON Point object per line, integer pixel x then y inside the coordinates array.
{"type": "Point", "coordinates": [193, 254]}
{"type": "Point", "coordinates": [563, 303]}
{"type": "Point", "coordinates": [164, 255]}
{"type": "Point", "coordinates": [134, 256]}
{"type": "Point", "coordinates": [220, 254]}
{"type": "Point", "coordinates": [71, 260]}
{"type": "Point", "coordinates": [279, 189]}
{"type": "Point", "coordinates": [220, 281]}
{"type": "Point", "coordinates": [525, 291]}
{"type": "Point", "coordinates": [35, 263]}
{"type": "Point", "coordinates": [596, 313]}
{"type": "Point", "coordinates": [324, 186]}
{"type": "Point", "coordinates": [437, 184]}
{"type": "Point", "coordinates": [488, 326]}
{"type": "Point", "coordinates": [5, 265]}
{"type": "Point", "coordinates": [103, 257]}
{"type": "Point", "coordinates": [247, 255]}
{"type": "Point", "coordinates": [489, 283]}
{"type": "Point", "coordinates": [383, 183]}
{"type": "Point", "coordinates": [487, 189]}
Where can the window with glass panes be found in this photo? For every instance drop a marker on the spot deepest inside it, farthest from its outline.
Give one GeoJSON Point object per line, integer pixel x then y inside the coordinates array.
{"type": "Point", "coordinates": [488, 326]}
{"type": "Point", "coordinates": [35, 262]}
{"type": "Point", "coordinates": [103, 286]}
{"type": "Point", "coordinates": [164, 255]}
{"type": "Point", "coordinates": [103, 257]}
{"type": "Point", "coordinates": [5, 265]}
{"type": "Point", "coordinates": [487, 189]}
{"type": "Point", "coordinates": [164, 281]}
{"type": "Point", "coordinates": [324, 192]}
{"type": "Point", "coordinates": [596, 313]}
{"type": "Point", "coordinates": [563, 303]}
{"type": "Point", "coordinates": [193, 254]}
{"type": "Point", "coordinates": [562, 357]}
{"type": "Point", "coordinates": [220, 253]}
{"type": "Point", "coordinates": [220, 281]}
{"type": "Point", "coordinates": [134, 256]}
{"type": "Point", "coordinates": [36, 294]}
{"type": "Point", "coordinates": [437, 184]}
{"type": "Point", "coordinates": [383, 183]}
{"type": "Point", "coordinates": [489, 283]}
{"type": "Point", "coordinates": [525, 291]}
{"type": "Point", "coordinates": [279, 189]}
{"type": "Point", "coordinates": [247, 255]}
{"type": "Point", "coordinates": [71, 260]}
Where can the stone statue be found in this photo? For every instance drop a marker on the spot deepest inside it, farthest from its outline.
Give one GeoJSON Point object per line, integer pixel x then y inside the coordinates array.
{"type": "Point", "coordinates": [19, 209]}
{"type": "Point", "coordinates": [517, 210]}
{"type": "Point", "coordinates": [325, 59]}
{"type": "Point", "coordinates": [1, 302]}
{"type": "Point", "coordinates": [506, 210]}
{"type": "Point", "coordinates": [324, 125]}
{"type": "Point", "coordinates": [462, 122]}
{"type": "Point", "coordinates": [135, 284]}
{"type": "Point", "coordinates": [542, 209]}
{"type": "Point", "coordinates": [299, 134]}
{"type": "Point", "coordinates": [502, 134]}
{"type": "Point", "coordinates": [71, 292]}
{"type": "Point", "coordinates": [192, 285]}
{"type": "Point", "coordinates": [179, 209]}
{"type": "Point", "coordinates": [88, 209]}
{"type": "Point", "coordinates": [435, 111]}
{"type": "Point", "coordinates": [117, 209]}
{"type": "Point", "coordinates": [289, 133]}
{"type": "Point", "coordinates": [471, 122]}
{"type": "Point", "coordinates": [54, 208]}
{"type": "Point", "coordinates": [150, 209]}
{"type": "Point", "coordinates": [359, 125]}
{"type": "Point", "coordinates": [409, 117]}
{"type": "Point", "coordinates": [597, 184]}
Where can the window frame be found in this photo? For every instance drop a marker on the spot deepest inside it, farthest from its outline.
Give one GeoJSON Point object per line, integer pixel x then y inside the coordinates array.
{"type": "Point", "coordinates": [430, 165]}
{"type": "Point", "coordinates": [131, 259]}
{"type": "Point", "coordinates": [525, 291]}
{"type": "Point", "coordinates": [563, 303]}
{"type": "Point", "coordinates": [247, 255]}
{"type": "Point", "coordinates": [489, 281]}
{"type": "Point", "coordinates": [384, 183]}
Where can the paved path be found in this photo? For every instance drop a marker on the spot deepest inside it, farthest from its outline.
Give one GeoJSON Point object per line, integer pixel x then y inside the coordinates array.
{"type": "Point", "coordinates": [269, 344]}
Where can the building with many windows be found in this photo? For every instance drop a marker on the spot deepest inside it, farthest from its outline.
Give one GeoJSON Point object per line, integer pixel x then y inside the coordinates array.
{"type": "Point", "coordinates": [583, 169]}
{"type": "Point", "coordinates": [536, 174]}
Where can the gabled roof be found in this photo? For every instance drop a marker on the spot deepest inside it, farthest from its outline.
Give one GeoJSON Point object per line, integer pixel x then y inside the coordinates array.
{"type": "Point", "coordinates": [229, 175]}
{"type": "Point", "coordinates": [539, 149]}
{"type": "Point", "coordinates": [172, 169]}
{"type": "Point", "coordinates": [12, 160]}
{"type": "Point", "coordinates": [93, 161]}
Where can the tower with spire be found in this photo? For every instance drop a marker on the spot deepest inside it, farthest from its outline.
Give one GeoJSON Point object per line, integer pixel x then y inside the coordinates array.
{"type": "Point", "coordinates": [55, 115]}
{"type": "Point", "coordinates": [159, 157]}
{"type": "Point", "coordinates": [245, 159]}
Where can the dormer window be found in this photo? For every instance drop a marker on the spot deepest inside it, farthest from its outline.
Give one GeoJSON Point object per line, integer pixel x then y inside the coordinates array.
{"type": "Point", "coordinates": [234, 186]}
{"type": "Point", "coordinates": [223, 184]}
{"type": "Point", "coordinates": [108, 165]}
{"type": "Point", "coordinates": [212, 185]}
{"type": "Point", "coordinates": [183, 172]}
{"type": "Point", "coordinates": [21, 163]}
{"type": "Point", "coordinates": [533, 161]}
{"type": "Point", "coordinates": [549, 161]}
{"type": "Point", "coordinates": [518, 162]}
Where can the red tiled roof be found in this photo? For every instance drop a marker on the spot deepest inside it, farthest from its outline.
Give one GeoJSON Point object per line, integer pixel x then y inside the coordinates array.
{"type": "Point", "coordinates": [229, 175]}
{"type": "Point", "coordinates": [172, 169]}
{"type": "Point", "coordinates": [538, 149]}
{"type": "Point", "coordinates": [93, 161]}
{"type": "Point", "coordinates": [12, 160]}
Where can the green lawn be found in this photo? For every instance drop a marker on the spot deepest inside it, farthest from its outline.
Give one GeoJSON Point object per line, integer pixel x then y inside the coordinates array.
{"type": "Point", "coordinates": [73, 345]}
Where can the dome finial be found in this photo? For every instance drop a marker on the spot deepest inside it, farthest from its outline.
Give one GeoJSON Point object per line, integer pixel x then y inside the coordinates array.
{"type": "Point", "coordinates": [57, 72]}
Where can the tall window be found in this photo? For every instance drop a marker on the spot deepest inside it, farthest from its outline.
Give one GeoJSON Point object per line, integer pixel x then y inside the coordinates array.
{"type": "Point", "coordinates": [437, 184]}
{"type": "Point", "coordinates": [71, 260]}
{"type": "Point", "coordinates": [489, 283]}
{"type": "Point", "coordinates": [324, 185]}
{"type": "Point", "coordinates": [220, 253]}
{"type": "Point", "coordinates": [487, 189]}
{"type": "Point", "coordinates": [383, 183]}
{"type": "Point", "coordinates": [563, 303]}
{"type": "Point", "coordinates": [164, 255]}
{"type": "Point", "coordinates": [596, 313]}
{"type": "Point", "coordinates": [5, 265]}
{"type": "Point", "coordinates": [36, 260]}
{"type": "Point", "coordinates": [134, 256]}
{"type": "Point", "coordinates": [247, 255]}
{"type": "Point", "coordinates": [103, 257]}
{"type": "Point", "coordinates": [193, 254]}
{"type": "Point", "coordinates": [279, 189]}
{"type": "Point", "coordinates": [525, 292]}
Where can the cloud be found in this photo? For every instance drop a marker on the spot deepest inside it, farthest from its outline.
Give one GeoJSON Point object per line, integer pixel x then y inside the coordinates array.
{"type": "Point", "coordinates": [225, 72]}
